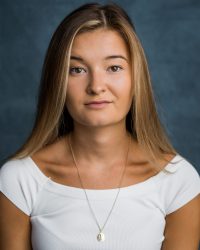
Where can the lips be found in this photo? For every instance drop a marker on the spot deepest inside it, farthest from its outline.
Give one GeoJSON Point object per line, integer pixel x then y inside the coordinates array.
{"type": "Point", "coordinates": [97, 105]}
{"type": "Point", "coordinates": [97, 102]}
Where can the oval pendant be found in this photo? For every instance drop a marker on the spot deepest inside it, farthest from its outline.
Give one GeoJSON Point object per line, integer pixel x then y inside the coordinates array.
{"type": "Point", "coordinates": [101, 237]}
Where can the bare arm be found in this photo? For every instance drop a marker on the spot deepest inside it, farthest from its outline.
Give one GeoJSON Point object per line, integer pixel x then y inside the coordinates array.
{"type": "Point", "coordinates": [15, 226]}
{"type": "Point", "coordinates": [182, 231]}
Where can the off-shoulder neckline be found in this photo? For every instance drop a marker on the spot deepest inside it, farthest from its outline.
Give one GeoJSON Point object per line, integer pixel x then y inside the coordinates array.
{"type": "Point", "coordinates": [98, 193]}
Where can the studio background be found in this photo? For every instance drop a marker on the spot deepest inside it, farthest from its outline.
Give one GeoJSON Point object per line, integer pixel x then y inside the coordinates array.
{"type": "Point", "coordinates": [169, 33]}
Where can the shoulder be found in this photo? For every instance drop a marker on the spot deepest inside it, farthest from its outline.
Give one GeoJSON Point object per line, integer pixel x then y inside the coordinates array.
{"type": "Point", "coordinates": [20, 183]}
{"type": "Point", "coordinates": [178, 184]}
{"type": "Point", "coordinates": [13, 170]}
{"type": "Point", "coordinates": [20, 171]}
{"type": "Point", "coordinates": [182, 207]}
{"type": "Point", "coordinates": [180, 167]}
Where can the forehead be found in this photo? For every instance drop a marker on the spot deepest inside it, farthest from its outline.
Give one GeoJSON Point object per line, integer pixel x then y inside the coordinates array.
{"type": "Point", "coordinates": [100, 41]}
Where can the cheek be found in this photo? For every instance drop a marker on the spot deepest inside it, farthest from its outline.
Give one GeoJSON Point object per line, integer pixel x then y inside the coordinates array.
{"type": "Point", "coordinates": [123, 88]}
{"type": "Point", "coordinates": [71, 100]}
{"type": "Point", "coordinates": [123, 93]}
{"type": "Point", "coordinates": [74, 93]}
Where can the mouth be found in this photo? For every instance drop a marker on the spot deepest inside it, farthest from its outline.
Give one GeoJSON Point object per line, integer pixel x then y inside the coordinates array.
{"type": "Point", "coordinates": [98, 102]}
{"type": "Point", "coordinates": [97, 105]}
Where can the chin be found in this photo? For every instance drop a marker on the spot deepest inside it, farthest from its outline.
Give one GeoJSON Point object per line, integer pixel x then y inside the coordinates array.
{"type": "Point", "coordinates": [100, 122]}
{"type": "Point", "coordinates": [97, 124]}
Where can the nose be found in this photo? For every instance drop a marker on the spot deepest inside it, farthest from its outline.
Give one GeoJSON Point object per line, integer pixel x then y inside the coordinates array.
{"type": "Point", "coordinates": [96, 83]}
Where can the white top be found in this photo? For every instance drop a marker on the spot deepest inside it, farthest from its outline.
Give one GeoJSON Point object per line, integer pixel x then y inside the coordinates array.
{"type": "Point", "coordinates": [61, 218]}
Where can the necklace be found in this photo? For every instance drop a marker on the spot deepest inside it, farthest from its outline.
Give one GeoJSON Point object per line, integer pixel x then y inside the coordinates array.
{"type": "Point", "coordinates": [101, 235]}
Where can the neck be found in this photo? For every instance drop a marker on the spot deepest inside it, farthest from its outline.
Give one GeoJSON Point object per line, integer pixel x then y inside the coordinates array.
{"type": "Point", "coordinates": [100, 147]}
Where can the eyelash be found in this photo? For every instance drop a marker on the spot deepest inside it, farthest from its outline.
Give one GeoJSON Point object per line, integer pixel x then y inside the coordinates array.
{"type": "Point", "coordinates": [82, 68]}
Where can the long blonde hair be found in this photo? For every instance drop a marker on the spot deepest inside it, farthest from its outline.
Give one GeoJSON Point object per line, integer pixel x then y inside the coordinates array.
{"type": "Point", "coordinates": [52, 118]}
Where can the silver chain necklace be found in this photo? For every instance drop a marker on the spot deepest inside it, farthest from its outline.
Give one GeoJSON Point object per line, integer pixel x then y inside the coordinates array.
{"type": "Point", "coordinates": [101, 235]}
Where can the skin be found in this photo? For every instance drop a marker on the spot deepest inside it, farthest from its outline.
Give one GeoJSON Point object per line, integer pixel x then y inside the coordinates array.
{"type": "Point", "coordinates": [96, 79]}
{"type": "Point", "coordinates": [99, 142]}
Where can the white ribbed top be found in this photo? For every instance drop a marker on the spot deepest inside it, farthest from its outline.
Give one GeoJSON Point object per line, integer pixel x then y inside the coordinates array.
{"type": "Point", "coordinates": [61, 218]}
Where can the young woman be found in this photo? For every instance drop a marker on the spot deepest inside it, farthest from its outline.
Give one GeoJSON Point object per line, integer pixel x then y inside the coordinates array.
{"type": "Point", "coordinates": [98, 171]}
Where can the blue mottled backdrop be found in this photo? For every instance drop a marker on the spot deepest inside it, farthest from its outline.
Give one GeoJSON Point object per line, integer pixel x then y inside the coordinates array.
{"type": "Point", "coordinates": [170, 34]}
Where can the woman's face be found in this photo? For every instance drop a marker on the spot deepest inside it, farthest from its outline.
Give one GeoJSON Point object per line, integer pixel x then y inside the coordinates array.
{"type": "Point", "coordinates": [98, 72]}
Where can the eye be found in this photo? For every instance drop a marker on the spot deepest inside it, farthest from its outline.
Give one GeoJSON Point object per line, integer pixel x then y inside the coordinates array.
{"type": "Point", "coordinates": [76, 70]}
{"type": "Point", "coordinates": [115, 68]}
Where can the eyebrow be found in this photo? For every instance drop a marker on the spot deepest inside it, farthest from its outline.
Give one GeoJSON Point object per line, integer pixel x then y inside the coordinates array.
{"type": "Point", "coordinates": [78, 58]}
